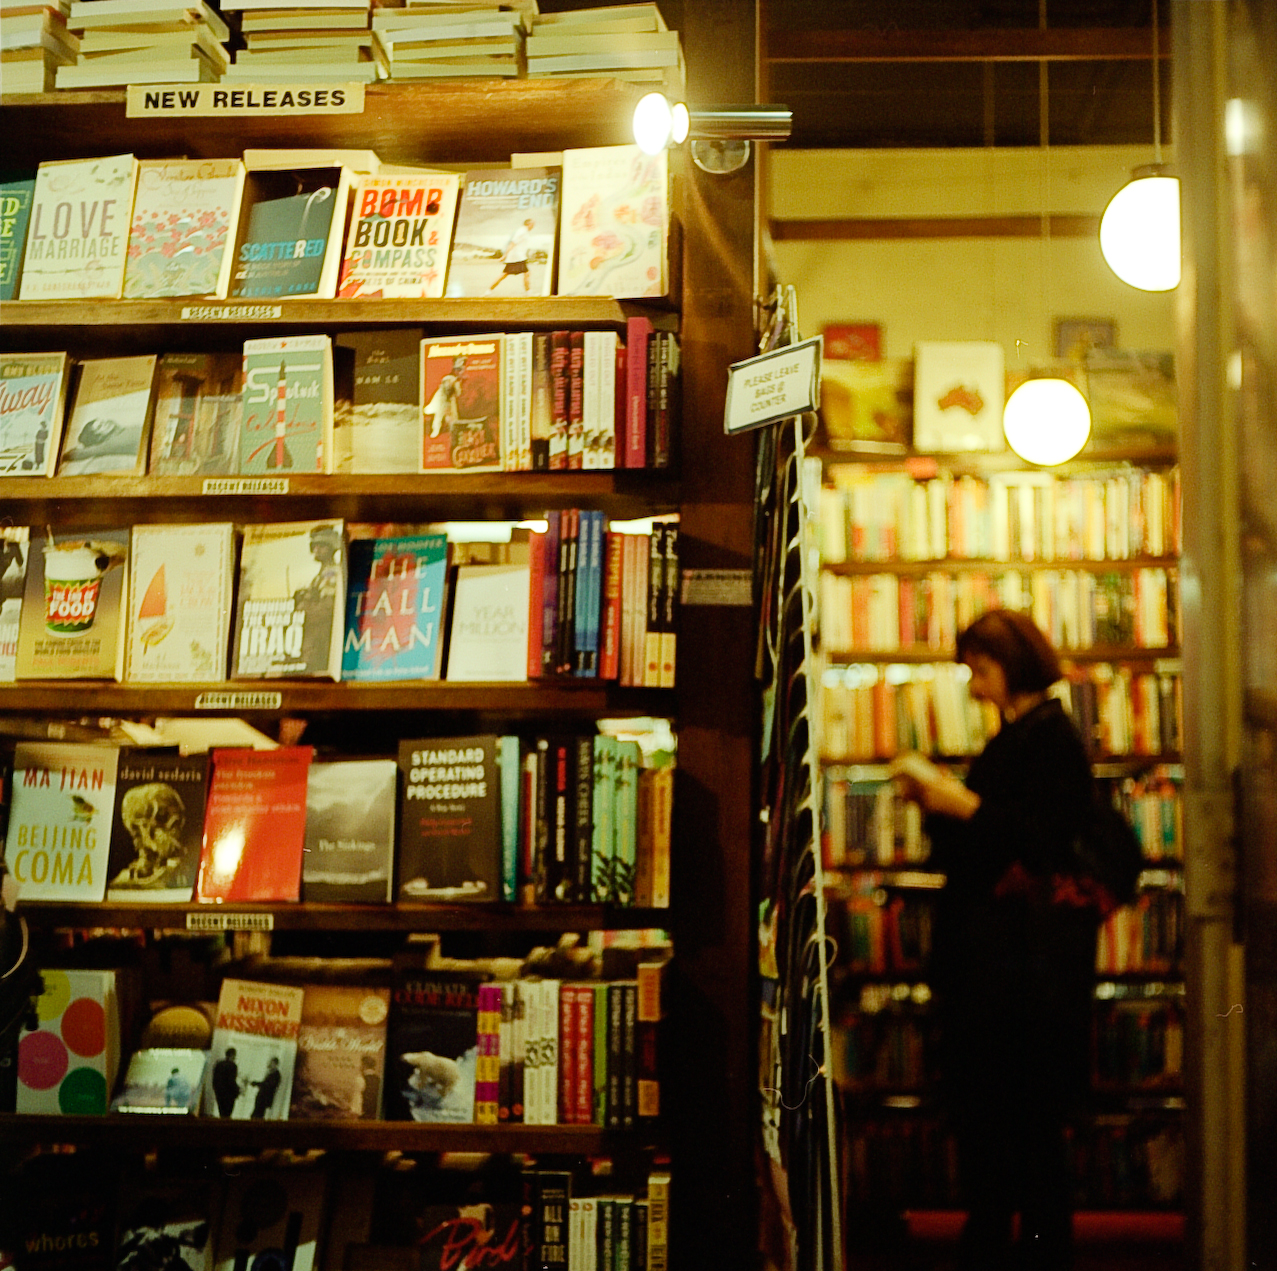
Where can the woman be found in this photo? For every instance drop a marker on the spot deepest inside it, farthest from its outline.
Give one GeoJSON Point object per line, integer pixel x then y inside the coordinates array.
{"type": "Point", "coordinates": [1013, 947]}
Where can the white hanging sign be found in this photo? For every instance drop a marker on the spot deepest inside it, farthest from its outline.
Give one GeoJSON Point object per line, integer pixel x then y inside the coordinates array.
{"type": "Point", "coordinates": [773, 386]}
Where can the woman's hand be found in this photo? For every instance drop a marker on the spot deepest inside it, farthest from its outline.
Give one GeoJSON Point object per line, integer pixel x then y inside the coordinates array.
{"type": "Point", "coordinates": [922, 782]}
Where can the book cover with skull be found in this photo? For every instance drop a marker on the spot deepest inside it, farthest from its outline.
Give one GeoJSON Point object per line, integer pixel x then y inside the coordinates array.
{"type": "Point", "coordinates": [158, 826]}
{"type": "Point", "coordinates": [180, 581]}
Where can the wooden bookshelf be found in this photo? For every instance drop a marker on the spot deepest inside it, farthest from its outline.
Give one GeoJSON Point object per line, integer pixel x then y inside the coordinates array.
{"type": "Point", "coordinates": [981, 463]}
{"type": "Point", "coordinates": [1126, 654]}
{"type": "Point", "coordinates": [967, 565]}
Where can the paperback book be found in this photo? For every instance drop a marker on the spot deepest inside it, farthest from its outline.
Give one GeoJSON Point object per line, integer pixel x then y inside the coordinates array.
{"type": "Point", "coordinates": [164, 1081]}
{"type": "Point", "coordinates": [450, 820]}
{"type": "Point", "coordinates": [106, 429]}
{"type": "Point", "coordinates": [489, 639]}
{"type": "Point", "coordinates": [254, 825]}
{"type": "Point", "coordinates": [291, 603]}
{"type": "Point", "coordinates": [267, 1211]}
{"type": "Point", "coordinates": [1132, 397]}
{"type": "Point", "coordinates": [79, 230]}
{"type": "Point", "coordinates": [16, 193]}
{"type": "Point", "coordinates": [74, 607]}
{"type": "Point", "coordinates": [395, 607]}
{"type": "Point", "coordinates": [198, 407]}
{"type": "Point", "coordinates": [180, 580]}
{"type": "Point", "coordinates": [615, 222]}
{"type": "Point", "coordinates": [381, 432]}
{"type": "Point", "coordinates": [341, 1052]}
{"type": "Point", "coordinates": [59, 830]}
{"type": "Point", "coordinates": [397, 245]}
{"type": "Point", "coordinates": [254, 1050]}
{"type": "Point", "coordinates": [184, 218]}
{"type": "Point", "coordinates": [166, 1218]}
{"type": "Point", "coordinates": [507, 228]}
{"type": "Point", "coordinates": [461, 404]}
{"type": "Point", "coordinates": [432, 1047]}
{"type": "Point", "coordinates": [157, 827]}
{"type": "Point", "coordinates": [349, 851]}
{"type": "Point", "coordinates": [33, 389]}
{"type": "Point", "coordinates": [13, 576]}
{"type": "Point", "coordinates": [287, 423]}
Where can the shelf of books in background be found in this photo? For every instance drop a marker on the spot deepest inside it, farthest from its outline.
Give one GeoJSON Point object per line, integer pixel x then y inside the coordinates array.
{"type": "Point", "coordinates": [925, 523]}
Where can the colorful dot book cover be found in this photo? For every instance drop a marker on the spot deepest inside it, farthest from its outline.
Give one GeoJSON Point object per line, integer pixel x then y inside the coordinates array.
{"type": "Point", "coordinates": [614, 224]}
{"type": "Point", "coordinates": [249, 1076]}
{"type": "Point", "coordinates": [68, 1063]}
{"type": "Point", "coordinates": [59, 831]}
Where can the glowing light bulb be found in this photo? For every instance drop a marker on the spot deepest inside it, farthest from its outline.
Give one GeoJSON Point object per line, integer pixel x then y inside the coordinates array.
{"type": "Point", "coordinates": [1046, 421]}
{"type": "Point", "coordinates": [681, 123]}
{"type": "Point", "coordinates": [1139, 233]}
{"type": "Point", "coordinates": [653, 123]}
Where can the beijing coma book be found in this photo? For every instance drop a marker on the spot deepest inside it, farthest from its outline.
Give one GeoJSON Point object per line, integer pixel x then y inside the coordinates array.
{"type": "Point", "coordinates": [184, 218]}
{"type": "Point", "coordinates": [78, 237]}
{"type": "Point", "coordinates": [400, 229]}
{"type": "Point", "coordinates": [254, 825]}
{"type": "Point", "coordinates": [250, 1064]}
{"type": "Point", "coordinates": [60, 821]}
{"type": "Point", "coordinates": [180, 581]}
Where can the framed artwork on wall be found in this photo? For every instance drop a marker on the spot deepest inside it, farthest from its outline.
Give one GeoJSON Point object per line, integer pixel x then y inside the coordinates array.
{"type": "Point", "coordinates": [1076, 337]}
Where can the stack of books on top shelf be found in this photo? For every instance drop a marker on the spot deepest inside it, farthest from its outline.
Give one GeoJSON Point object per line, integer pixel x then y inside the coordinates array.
{"type": "Point", "coordinates": [325, 41]}
{"type": "Point", "coordinates": [146, 42]}
{"type": "Point", "coordinates": [426, 41]}
{"type": "Point", "coordinates": [34, 42]}
{"type": "Point", "coordinates": [629, 42]}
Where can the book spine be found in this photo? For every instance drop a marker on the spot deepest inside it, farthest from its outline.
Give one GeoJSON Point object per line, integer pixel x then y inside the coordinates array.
{"type": "Point", "coordinates": [508, 431]}
{"type": "Point", "coordinates": [670, 599]}
{"type": "Point", "coordinates": [584, 1043]}
{"type": "Point", "coordinates": [588, 1243]}
{"type": "Point", "coordinates": [549, 1069]}
{"type": "Point", "coordinates": [583, 820]}
{"type": "Point", "coordinates": [658, 1222]}
{"type": "Point", "coordinates": [487, 1060]}
{"type": "Point", "coordinates": [599, 1057]}
{"type": "Point", "coordinates": [606, 1226]}
{"type": "Point", "coordinates": [620, 404]}
{"type": "Point", "coordinates": [563, 839]}
{"type": "Point", "coordinates": [536, 589]}
{"type": "Point", "coordinates": [567, 1054]}
{"type": "Point", "coordinates": [576, 400]}
{"type": "Point", "coordinates": [625, 820]}
{"type": "Point", "coordinates": [655, 608]}
{"type": "Point", "coordinates": [602, 818]}
{"type": "Point", "coordinates": [505, 1054]}
{"type": "Point", "coordinates": [543, 820]}
{"type": "Point", "coordinates": [641, 577]}
{"type": "Point", "coordinates": [643, 847]}
{"type": "Point", "coordinates": [629, 1056]}
{"type": "Point", "coordinates": [541, 424]}
{"type": "Point", "coordinates": [519, 1053]}
{"type": "Point", "coordinates": [629, 587]}
{"type": "Point", "coordinates": [653, 393]}
{"type": "Point", "coordinates": [590, 387]}
{"type": "Point", "coordinates": [637, 334]}
{"type": "Point", "coordinates": [638, 1235]}
{"type": "Point", "coordinates": [615, 1064]}
{"type": "Point", "coordinates": [552, 568]}
{"type": "Point", "coordinates": [566, 593]}
{"type": "Point", "coordinates": [610, 617]}
{"type": "Point", "coordinates": [583, 597]}
{"type": "Point", "coordinates": [560, 357]}
{"type": "Point", "coordinates": [610, 353]}
{"type": "Point", "coordinates": [624, 1228]}
{"type": "Point", "coordinates": [511, 762]}
{"type": "Point", "coordinates": [662, 831]}
{"type": "Point", "coordinates": [666, 399]}
{"type": "Point", "coordinates": [520, 352]}
{"type": "Point", "coordinates": [528, 829]}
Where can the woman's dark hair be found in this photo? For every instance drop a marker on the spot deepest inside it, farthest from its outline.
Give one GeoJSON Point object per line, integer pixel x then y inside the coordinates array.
{"type": "Point", "coordinates": [1017, 645]}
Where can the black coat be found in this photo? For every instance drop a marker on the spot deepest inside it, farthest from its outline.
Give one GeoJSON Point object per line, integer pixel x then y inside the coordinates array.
{"type": "Point", "coordinates": [1012, 968]}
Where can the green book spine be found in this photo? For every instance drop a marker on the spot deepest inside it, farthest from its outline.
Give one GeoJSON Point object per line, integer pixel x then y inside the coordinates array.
{"type": "Point", "coordinates": [16, 194]}
{"type": "Point", "coordinates": [604, 818]}
{"type": "Point", "coordinates": [625, 849]}
{"type": "Point", "coordinates": [511, 764]}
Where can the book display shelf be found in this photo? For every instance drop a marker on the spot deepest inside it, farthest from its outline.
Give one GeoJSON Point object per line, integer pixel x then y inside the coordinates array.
{"type": "Point", "coordinates": [703, 1102]}
{"type": "Point", "coordinates": [913, 549]}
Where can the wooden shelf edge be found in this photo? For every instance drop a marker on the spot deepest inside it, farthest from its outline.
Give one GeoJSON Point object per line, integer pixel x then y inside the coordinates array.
{"type": "Point", "coordinates": [1097, 653]}
{"type": "Point", "coordinates": [954, 565]}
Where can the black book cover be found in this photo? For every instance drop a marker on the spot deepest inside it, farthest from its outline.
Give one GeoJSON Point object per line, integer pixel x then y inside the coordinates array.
{"type": "Point", "coordinates": [432, 1046]}
{"type": "Point", "coordinates": [350, 831]}
{"type": "Point", "coordinates": [638, 1235]}
{"type": "Point", "coordinates": [553, 1192]}
{"type": "Point", "coordinates": [624, 1234]}
{"type": "Point", "coordinates": [157, 825]}
{"type": "Point", "coordinates": [450, 820]}
{"type": "Point", "coordinates": [605, 1232]}
{"type": "Point", "coordinates": [583, 818]}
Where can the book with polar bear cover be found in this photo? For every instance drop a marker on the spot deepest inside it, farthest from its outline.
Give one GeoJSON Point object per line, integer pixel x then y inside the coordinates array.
{"type": "Point", "coordinates": [432, 1046]}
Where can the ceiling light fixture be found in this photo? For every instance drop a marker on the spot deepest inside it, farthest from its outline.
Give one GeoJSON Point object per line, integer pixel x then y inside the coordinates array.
{"type": "Point", "coordinates": [1046, 421]}
{"type": "Point", "coordinates": [720, 135]}
{"type": "Point", "coordinates": [1139, 231]}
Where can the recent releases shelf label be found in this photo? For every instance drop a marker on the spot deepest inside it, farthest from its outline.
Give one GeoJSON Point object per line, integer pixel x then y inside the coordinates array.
{"type": "Point", "coordinates": [199, 920]}
{"type": "Point", "coordinates": [245, 485]}
{"type": "Point", "coordinates": [233, 701]}
{"type": "Point", "coordinates": [230, 313]}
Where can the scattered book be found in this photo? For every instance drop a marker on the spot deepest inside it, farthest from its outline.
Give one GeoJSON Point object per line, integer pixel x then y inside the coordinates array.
{"type": "Point", "coordinates": [166, 1081]}
{"type": "Point", "coordinates": [381, 431]}
{"type": "Point", "coordinates": [13, 576]}
{"type": "Point", "coordinates": [157, 827]}
{"type": "Point", "coordinates": [287, 420]}
{"type": "Point", "coordinates": [78, 236]}
{"type": "Point", "coordinates": [250, 1069]}
{"type": "Point", "coordinates": [450, 820]}
{"type": "Point", "coordinates": [489, 637]}
{"type": "Point", "coordinates": [74, 607]}
{"type": "Point", "coordinates": [461, 381]}
{"type": "Point", "coordinates": [614, 224]}
{"type": "Point", "coordinates": [291, 601]}
{"type": "Point", "coordinates": [400, 229]}
{"type": "Point", "coordinates": [180, 581]}
{"type": "Point", "coordinates": [254, 825]}
{"type": "Point", "coordinates": [33, 389]}
{"type": "Point", "coordinates": [507, 227]}
{"type": "Point", "coordinates": [198, 408]}
{"type": "Point", "coordinates": [16, 193]}
{"type": "Point", "coordinates": [395, 605]}
{"type": "Point", "coordinates": [107, 426]}
{"type": "Point", "coordinates": [349, 850]}
{"type": "Point", "coordinates": [184, 218]}
{"type": "Point", "coordinates": [341, 1051]}
{"type": "Point", "coordinates": [267, 1211]}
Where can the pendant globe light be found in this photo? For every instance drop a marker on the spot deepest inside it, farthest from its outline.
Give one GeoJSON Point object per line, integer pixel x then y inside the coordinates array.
{"type": "Point", "coordinates": [1139, 231]}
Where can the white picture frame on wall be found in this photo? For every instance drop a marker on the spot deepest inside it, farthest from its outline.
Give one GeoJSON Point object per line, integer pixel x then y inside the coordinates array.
{"type": "Point", "coordinates": [959, 392]}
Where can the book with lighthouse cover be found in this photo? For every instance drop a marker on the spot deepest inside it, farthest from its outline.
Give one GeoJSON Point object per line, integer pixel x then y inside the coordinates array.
{"type": "Point", "coordinates": [180, 584]}
{"type": "Point", "coordinates": [287, 424]}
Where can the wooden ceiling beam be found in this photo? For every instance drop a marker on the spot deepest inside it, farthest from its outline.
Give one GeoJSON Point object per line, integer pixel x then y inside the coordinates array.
{"type": "Point", "coordinates": [1014, 44]}
{"type": "Point", "coordinates": [860, 228]}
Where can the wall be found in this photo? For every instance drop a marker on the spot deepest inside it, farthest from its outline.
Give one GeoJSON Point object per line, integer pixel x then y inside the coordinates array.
{"type": "Point", "coordinates": [1003, 289]}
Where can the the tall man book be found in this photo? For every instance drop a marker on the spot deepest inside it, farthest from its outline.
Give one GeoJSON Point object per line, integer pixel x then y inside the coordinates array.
{"type": "Point", "coordinates": [60, 819]}
{"type": "Point", "coordinates": [254, 1050]}
{"type": "Point", "coordinates": [79, 232]}
{"type": "Point", "coordinates": [291, 604]}
{"type": "Point", "coordinates": [33, 389]}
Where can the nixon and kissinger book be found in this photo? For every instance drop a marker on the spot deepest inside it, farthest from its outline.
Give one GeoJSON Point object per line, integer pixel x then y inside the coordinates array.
{"type": "Point", "coordinates": [250, 1064]}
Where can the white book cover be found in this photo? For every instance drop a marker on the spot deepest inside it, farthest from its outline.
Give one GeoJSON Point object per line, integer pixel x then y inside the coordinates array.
{"type": "Point", "coordinates": [108, 427]}
{"type": "Point", "coordinates": [614, 224]}
{"type": "Point", "coordinates": [79, 229]}
{"type": "Point", "coordinates": [180, 584]}
{"type": "Point", "coordinates": [521, 343]}
{"type": "Point", "coordinates": [184, 218]}
{"type": "Point", "coordinates": [959, 390]}
{"type": "Point", "coordinates": [13, 575]}
{"type": "Point", "coordinates": [254, 1050]}
{"type": "Point", "coordinates": [600, 399]}
{"type": "Point", "coordinates": [489, 624]}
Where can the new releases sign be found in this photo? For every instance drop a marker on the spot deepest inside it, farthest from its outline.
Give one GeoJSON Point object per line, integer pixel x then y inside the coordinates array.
{"type": "Point", "coordinates": [210, 100]}
{"type": "Point", "coordinates": [773, 386]}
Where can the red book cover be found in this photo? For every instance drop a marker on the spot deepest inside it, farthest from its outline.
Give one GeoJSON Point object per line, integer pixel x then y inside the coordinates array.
{"type": "Point", "coordinates": [576, 399]}
{"type": "Point", "coordinates": [255, 825]}
{"type": "Point", "coordinates": [560, 356]}
{"type": "Point", "coordinates": [567, 1053]}
{"type": "Point", "coordinates": [638, 331]}
{"type": "Point", "coordinates": [610, 644]}
{"type": "Point", "coordinates": [536, 586]}
{"type": "Point", "coordinates": [583, 1044]}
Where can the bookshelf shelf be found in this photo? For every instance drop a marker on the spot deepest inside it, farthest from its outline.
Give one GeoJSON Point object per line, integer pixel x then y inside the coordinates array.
{"type": "Point", "coordinates": [1125, 654]}
{"type": "Point", "coordinates": [202, 1133]}
{"type": "Point", "coordinates": [951, 565]}
{"type": "Point", "coordinates": [535, 698]}
{"type": "Point", "coordinates": [981, 463]}
{"type": "Point", "coordinates": [314, 917]}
